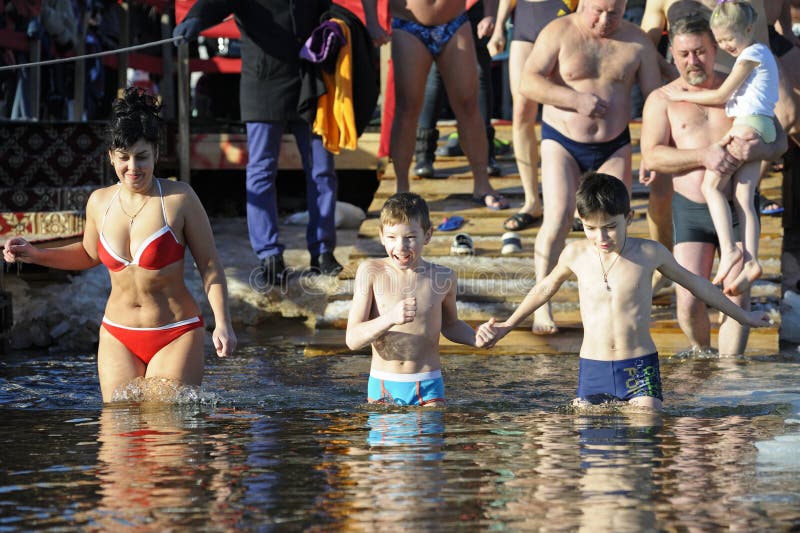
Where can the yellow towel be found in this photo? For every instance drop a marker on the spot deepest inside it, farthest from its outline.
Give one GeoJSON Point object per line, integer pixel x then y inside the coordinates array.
{"type": "Point", "coordinates": [335, 120]}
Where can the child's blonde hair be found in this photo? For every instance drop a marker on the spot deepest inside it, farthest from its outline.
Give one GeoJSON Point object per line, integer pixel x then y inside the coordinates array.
{"type": "Point", "coordinates": [406, 207]}
{"type": "Point", "coordinates": [734, 15]}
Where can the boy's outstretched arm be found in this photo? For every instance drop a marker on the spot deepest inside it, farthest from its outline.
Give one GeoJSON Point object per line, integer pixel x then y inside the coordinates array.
{"type": "Point", "coordinates": [362, 331]}
{"type": "Point", "coordinates": [539, 294]}
{"type": "Point", "coordinates": [453, 328]}
{"type": "Point", "coordinates": [706, 291]}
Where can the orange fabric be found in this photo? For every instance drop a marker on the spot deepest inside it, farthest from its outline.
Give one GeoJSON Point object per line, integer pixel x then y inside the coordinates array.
{"type": "Point", "coordinates": [336, 121]}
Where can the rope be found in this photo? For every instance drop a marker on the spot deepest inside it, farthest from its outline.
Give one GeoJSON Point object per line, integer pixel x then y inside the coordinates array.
{"type": "Point", "coordinates": [87, 56]}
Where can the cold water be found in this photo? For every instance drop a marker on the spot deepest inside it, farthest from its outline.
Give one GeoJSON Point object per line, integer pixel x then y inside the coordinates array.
{"type": "Point", "coordinates": [278, 441]}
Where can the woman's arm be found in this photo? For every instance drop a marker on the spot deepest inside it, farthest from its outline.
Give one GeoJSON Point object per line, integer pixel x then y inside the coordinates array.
{"type": "Point", "coordinates": [76, 256]}
{"type": "Point", "coordinates": [200, 240]}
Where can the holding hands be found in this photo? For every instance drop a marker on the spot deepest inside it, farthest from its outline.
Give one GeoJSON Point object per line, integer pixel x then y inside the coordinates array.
{"type": "Point", "coordinates": [489, 333]}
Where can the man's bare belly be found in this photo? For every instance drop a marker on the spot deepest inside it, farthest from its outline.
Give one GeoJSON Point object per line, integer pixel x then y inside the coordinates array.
{"type": "Point", "coordinates": [585, 129]}
{"type": "Point", "coordinates": [426, 12]}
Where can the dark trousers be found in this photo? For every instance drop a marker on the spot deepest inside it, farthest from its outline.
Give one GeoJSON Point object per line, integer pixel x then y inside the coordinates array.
{"type": "Point", "coordinates": [263, 144]}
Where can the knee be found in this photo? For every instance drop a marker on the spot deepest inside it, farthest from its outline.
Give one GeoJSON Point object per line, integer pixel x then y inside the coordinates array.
{"type": "Point", "coordinates": [465, 104]}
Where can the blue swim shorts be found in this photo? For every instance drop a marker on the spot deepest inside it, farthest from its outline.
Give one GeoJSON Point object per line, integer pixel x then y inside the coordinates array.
{"type": "Point", "coordinates": [601, 381]}
{"type": "Point", "coordinates": [405, 389]}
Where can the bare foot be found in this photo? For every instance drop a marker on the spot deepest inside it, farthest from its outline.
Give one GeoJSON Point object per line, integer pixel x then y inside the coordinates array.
{"type": "Point", "coordinates": [543, 323]}
{"type": "Point", "coordinates": [726, 262]}
{"type": "Point", "coordinates": [749, 274]}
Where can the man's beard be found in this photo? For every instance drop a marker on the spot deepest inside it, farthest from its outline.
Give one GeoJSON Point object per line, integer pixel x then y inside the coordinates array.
{"type": "Point", "coordinates": [696, 77]}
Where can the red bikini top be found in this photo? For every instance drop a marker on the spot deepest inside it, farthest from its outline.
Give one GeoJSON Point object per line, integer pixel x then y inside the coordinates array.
{"type": "Point", "coordinates": [156, 252]}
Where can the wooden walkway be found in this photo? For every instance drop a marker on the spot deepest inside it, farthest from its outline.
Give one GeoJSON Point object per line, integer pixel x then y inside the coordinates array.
{"type": "Point", "coordinates": [491, 284]}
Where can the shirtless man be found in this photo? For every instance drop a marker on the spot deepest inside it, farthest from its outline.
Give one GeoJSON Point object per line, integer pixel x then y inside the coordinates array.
{"type": "Point", "coordinates": [782, 43]}
{"type": "Point", "coordinates": [655, 21]}
{"type": "Point", "coordinates": [582, 68]}
{"type": "Point", "coordinates": [684, 140]}
{"type": "Point", "coordinates": [424, 31]}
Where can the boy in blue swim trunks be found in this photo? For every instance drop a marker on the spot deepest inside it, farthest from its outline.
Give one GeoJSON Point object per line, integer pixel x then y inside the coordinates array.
{"type": "Point", "coordinates": [401, 304]}
{"type": "Point", "coordinates": [618, 358]}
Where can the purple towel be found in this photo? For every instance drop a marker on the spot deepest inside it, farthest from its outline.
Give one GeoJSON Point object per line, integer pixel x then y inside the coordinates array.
{"type": "Point", "coordinates": [323, 45]}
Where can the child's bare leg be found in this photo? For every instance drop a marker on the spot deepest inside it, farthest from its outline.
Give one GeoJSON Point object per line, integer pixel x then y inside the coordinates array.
{"type": "Point", "coordinates": [412, 61]}
{"type": "Point", "coordinates": [455, 64]}
{"type": "Point", "coordinates": [729, 253]}
{"type": "Point", "coordinates": [744, 191]}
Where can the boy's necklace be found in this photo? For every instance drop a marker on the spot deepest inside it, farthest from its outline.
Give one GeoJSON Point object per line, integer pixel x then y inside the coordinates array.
{"type": "Point", "coordinates": [613, 262]}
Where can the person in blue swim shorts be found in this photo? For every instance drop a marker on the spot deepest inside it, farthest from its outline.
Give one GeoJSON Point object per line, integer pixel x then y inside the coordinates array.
{"type": "Point", "coordinates": [401, 304]}
{"type": "Point", "coordinates": [618, 358]}
{"type": "Point", "coordinates": [425, 32]}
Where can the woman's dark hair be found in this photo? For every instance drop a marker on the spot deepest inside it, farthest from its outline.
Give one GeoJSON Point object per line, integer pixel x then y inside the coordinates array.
{"type": "Point", "coordinates": [134, 116]}
{"type": "Point", "coordinates": [602, 193]}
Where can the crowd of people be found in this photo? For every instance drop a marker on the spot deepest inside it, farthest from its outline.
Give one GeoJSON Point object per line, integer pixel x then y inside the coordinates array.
{"type": "Point", "coordinates": [584, 65]}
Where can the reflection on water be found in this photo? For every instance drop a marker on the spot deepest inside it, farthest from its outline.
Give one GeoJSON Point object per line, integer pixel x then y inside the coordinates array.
{"type": "Point", "coordinates": [274, 440]}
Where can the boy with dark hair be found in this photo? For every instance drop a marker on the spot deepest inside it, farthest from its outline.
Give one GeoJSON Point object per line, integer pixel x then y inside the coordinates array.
{"type": "Point", "coordinates": [618, 358]}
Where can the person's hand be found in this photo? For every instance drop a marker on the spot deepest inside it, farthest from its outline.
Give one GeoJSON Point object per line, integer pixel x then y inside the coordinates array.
{"type": "Point", "coordinates": [485, 334]}
{"type": "Point", "coordinates": [224, 340]}
{"type": "Point", "coordinates": [404, 311]}
{"type": "Point", "coordinates": [742, 147]}
{"type": "Point", "coordinates": [188, 29]}
{"type": "Point", "coordinates": [646, 177]}
{"type": "Point", "coordinates": [718, 159]}
{"type": "Point", "coordinates": [591, 105]}
{"type": "Point", "coordinates": [674, 94]}
{"type": "Point", "coordinates": [485, 27]}
{"type": "Point", "coordinates": [758, 319]}
{"type": "Point", "coordinates": [497, 43]}
{"type": "Point", "coordinates": [378, 35]}
{"type": "Point", "coordinates": [18, 249]}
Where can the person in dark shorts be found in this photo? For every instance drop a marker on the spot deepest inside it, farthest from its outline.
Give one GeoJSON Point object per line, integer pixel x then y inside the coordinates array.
{"type": "Point", "coordinates": [618, 357]}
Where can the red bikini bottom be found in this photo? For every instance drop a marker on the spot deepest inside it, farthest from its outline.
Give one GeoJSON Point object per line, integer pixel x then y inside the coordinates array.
{"type": "Point", "coordinates": [144, 343]}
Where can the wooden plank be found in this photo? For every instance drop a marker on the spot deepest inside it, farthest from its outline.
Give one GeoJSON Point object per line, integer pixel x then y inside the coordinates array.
{"type": "Point", "coordinates": [213, 151]}
{"type": "Point", "coordinates": [522, 342]}
{"type": "Point", "coordinates": [439, 246]}
{"type": "Point", "coordinates": [490, 223]}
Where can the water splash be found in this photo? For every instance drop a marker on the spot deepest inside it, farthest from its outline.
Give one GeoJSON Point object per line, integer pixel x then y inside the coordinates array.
{"type": "Point", "coordinates": [164, 390]}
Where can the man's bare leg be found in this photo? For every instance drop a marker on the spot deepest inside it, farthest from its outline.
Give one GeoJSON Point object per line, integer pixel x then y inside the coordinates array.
{"type": "Point", "coordinates": [461, 83]}
{"type": "Point", "coordinates": [560, 175]}
{"type": "Point", "coordinates": [698, 258]}
{"type": "Point", "coordinates": [523, 131]}
{"type": "Point", "coordinates": [412, 61]}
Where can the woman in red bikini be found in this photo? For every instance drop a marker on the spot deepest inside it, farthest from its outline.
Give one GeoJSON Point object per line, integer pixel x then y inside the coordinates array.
{"type": "Point", "coordinates": [140, 229]}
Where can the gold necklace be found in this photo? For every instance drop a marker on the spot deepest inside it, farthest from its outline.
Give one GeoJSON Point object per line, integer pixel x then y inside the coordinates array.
{"type": "Point", "coordinates": [613, 262]}
{"type": "Point", "coordinates": [132, 217]}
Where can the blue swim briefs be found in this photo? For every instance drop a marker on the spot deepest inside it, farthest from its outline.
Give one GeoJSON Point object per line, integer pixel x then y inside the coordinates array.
{"type": "Point", "coordinates": [601, 381]}
{"type": "Point", "coordinates": [405, 389]}
{"type": "Point", "coordinates": [435, 38]}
